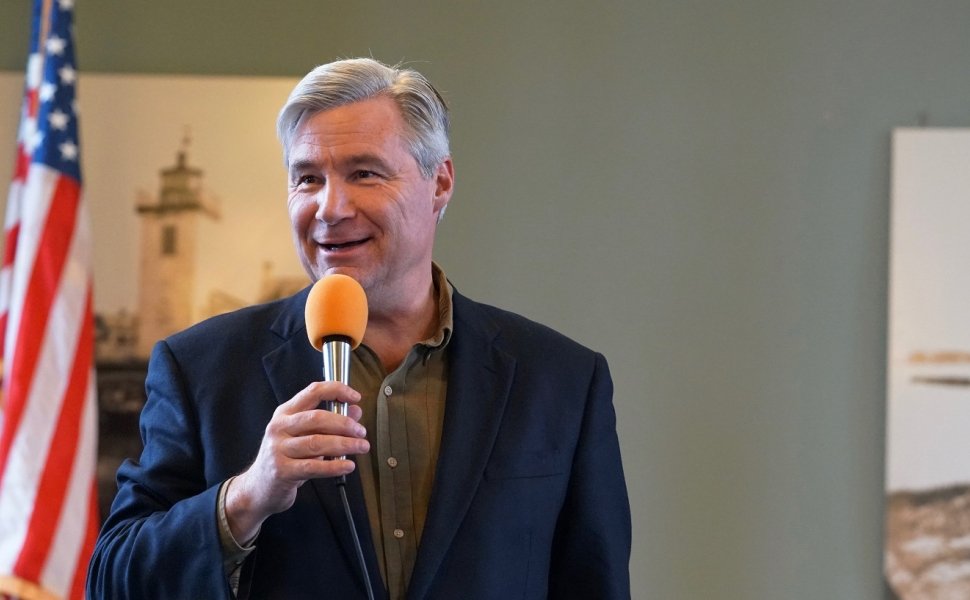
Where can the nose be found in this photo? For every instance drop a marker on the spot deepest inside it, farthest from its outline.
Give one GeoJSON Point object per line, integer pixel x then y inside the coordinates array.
{"type": "Point", "coordinates": [333, 203]}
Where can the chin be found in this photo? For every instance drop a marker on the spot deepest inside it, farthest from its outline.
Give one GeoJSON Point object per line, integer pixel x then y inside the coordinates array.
{"type": "Point", "coordinates": [348, 270]}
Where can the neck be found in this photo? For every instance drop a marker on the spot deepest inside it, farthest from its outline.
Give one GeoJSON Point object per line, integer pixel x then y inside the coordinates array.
{"type": "Point", "coordinates": [392, 332]}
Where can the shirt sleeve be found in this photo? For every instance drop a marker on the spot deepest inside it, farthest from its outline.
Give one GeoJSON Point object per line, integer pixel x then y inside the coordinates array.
{"type": "Point", "coordinates": [233, 553]}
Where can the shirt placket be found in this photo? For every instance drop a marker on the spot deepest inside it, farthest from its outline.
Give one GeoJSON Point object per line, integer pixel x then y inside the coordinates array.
{"type": "Point", "coordinates": [397, 515]}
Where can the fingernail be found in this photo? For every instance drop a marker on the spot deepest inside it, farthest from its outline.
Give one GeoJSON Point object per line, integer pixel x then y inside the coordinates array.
{"type": "Point", "coordinates": [360, 430]}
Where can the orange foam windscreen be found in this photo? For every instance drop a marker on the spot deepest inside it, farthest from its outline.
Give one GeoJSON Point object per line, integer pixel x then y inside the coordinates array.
{"type": "Point", "coordinates": [336, 306]}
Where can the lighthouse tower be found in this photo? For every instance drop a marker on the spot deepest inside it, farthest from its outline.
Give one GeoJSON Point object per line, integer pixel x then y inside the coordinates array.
{"type": "Point", "coordinates": [166, 277]}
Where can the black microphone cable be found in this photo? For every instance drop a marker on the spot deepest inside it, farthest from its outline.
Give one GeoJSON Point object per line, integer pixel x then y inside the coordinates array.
{"type": "Point", "coordinates": [342, 484]}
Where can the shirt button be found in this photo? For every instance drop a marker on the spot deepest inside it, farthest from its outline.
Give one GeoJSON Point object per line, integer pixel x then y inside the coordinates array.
{"type": "Point", "coordinates": [391, 462]}
{"type": "Point", "coordinates": [387, 390]}
{"type": "Point", "coordinates": [398, 533]}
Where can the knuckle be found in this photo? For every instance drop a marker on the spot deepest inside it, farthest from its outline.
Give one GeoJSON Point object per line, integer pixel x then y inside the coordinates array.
{"type": "Point", "coordinates": [316, 445]}
{"type": "Point", "coordinates": [303, 469]}
{"type": "Point", "coordinates": [354, 446]}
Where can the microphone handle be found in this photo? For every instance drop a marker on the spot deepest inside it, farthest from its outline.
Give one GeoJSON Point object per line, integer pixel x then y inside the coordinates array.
{"type": "Point", "coordinates": [336, 367]}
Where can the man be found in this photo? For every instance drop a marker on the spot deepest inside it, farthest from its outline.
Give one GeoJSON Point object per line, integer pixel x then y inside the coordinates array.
{"type": "Point", "coordinates": [482, 458]}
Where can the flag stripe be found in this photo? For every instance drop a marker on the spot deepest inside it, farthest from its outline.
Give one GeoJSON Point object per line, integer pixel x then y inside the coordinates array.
{"type": "Point", "coordinates": [87, 547]}
{"type": "Point", "coordinates": [39, 189]}
{"type": "Point", "coordinates": [12, 228]}
{"type": "Point", "coordinates": [66, 556]}
{"type": "Point", "coordinates": [59, 465]}
{"type": "Point", "coordinates": [70, 549]}
{"type": "Point", "coordinates": [10, 244]}
{"type": "Point", "coordinates": [48, 266]}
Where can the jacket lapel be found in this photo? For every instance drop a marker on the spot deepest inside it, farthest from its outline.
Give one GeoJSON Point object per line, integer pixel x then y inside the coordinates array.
{"type": "Point", "coordinates": [479, 379]}
{"type": "Point", "coordinates": [292, 366]}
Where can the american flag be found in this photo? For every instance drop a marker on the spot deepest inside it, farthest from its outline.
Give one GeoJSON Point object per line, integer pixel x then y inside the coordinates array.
{"type": "Point", "coordinates": [48, 420]}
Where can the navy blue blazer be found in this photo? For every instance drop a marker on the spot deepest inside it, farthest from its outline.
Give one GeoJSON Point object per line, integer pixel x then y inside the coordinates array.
{"type": "Point", "coordinates": [529, 499]}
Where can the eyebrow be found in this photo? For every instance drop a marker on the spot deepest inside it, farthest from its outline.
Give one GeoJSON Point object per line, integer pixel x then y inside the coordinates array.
{"type": "Point", "coordinates": [366, 159]}
{"type": "Point", "coordinates": [355, 160]}
{"type": "Point", "coordinates": [300, 165]}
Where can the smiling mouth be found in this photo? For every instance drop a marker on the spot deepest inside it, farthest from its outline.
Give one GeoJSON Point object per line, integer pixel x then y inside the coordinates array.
{"type": "Point", "coordinates": [334, 247]}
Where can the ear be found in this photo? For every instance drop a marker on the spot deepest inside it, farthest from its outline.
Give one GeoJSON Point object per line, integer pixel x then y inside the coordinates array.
{"type": "Point", "coordinates": [444, 179]}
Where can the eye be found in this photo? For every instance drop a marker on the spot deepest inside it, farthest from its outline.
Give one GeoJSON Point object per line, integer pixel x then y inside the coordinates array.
{"type": "Point", "coordinates": [365, 174]}
{"type": "Point", "coordinates": [307, 180]}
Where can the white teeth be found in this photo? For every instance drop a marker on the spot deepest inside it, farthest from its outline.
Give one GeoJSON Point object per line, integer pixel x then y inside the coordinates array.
{"type": "Point", "coordinates": [338, 246]}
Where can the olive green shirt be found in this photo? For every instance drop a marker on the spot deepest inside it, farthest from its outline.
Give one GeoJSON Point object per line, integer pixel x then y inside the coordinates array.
{"type": "Point", "coordinates": [403, 412]}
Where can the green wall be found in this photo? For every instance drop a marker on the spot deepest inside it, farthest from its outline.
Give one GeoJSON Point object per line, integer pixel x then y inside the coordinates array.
{"type": "Point", "coordinates": [698, 189]}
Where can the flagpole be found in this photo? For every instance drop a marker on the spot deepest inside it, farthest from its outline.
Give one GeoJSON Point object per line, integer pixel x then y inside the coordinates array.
{"type": "Point", "coordinates": [42, 33]}
{"type": "Point", "coordinates": [45, 18]}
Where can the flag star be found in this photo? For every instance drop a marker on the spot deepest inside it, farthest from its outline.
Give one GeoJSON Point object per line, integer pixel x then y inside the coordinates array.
{"type": "Point", "coordinates": [66, 4]}
{"type": "Point", "coordinates": [68, 150]}
{"type": "Point", "coordinates": [27, 128]}
{"type": "Point", "coordinates": [56, 45]}
{"type": "Point", "coordinates": [58, 119]}
{"type": "Point", "coordinates": [47, 90]}
{"type": "Point", "coordinates": [34, 140]}
{"type": "Point", "coordinates": [67, 74]}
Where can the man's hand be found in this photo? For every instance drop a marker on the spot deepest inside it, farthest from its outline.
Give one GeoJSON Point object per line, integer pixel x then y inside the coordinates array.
{"type": "Point", "coordinates": [297, 439]}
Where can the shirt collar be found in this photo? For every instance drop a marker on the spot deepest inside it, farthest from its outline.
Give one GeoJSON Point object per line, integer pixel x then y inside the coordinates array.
{"type": "Point", "coordinates": [443, 293]}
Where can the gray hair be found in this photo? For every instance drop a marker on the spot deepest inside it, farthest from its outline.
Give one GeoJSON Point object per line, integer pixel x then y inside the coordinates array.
{"type": "Point", "coordinates": [343, 82]}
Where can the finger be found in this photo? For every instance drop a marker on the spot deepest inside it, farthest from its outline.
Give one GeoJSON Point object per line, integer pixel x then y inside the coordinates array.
{"type": "Point", "coordinates": [319, 391]}
{"type": "Point", "coordinates": [319, 421]}
{"type": "Point", "coordinates": [314, 468]}
{"type": "Point", "coordinates": [315, 446]}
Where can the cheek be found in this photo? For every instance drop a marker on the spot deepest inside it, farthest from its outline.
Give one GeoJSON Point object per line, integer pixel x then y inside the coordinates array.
{"type": "Point", "coordinates": [414, 210]}
{"type": "Point", "coordinates": [301, 213]}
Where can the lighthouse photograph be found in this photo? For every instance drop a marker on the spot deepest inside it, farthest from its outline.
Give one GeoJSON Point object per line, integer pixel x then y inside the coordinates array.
{"type": "Point", "coordinates": [187, 195]}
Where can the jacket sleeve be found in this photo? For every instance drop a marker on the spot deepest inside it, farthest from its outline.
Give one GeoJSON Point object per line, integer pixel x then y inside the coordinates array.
{"type": "Point", "coordinates": [161, 538]}
{"type": "Point", "coordinates": [591, 548]}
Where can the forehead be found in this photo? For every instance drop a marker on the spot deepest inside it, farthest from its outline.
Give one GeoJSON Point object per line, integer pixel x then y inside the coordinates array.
{"type": "Point", "coordinates": [368, 124]}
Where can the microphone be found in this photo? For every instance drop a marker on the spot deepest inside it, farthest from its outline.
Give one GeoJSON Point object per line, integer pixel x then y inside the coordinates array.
{"type": "Point", "coordinates": [336, 317]}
